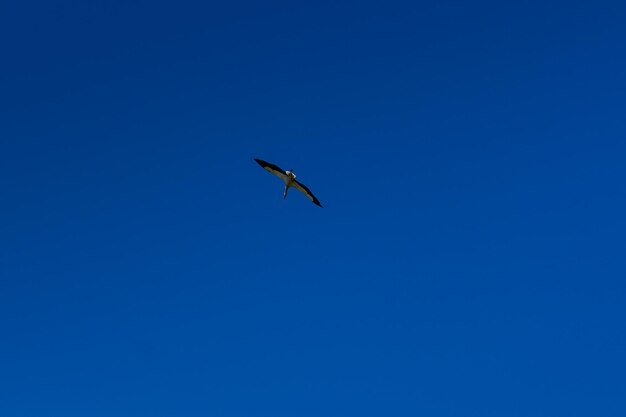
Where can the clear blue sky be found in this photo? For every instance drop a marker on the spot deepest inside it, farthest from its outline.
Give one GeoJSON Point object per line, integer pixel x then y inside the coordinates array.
{"type": "Point", "coordinates": [469, 259]}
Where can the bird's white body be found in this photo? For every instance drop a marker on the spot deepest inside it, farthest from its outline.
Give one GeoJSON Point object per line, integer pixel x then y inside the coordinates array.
{"type": "Point", "coordinates": [289, 180]}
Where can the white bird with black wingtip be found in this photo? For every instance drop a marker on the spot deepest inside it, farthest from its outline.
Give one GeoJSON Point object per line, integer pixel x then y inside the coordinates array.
{"type": "Point", "coordinates": [290, 180]}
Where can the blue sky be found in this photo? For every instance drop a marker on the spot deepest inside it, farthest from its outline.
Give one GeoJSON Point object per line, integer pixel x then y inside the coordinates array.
{"type": "Point", "coordinates": [468, 261]}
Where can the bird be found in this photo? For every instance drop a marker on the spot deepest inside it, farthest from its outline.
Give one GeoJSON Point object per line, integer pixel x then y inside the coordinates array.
{"type": "Point", "coordinates": [289, 177]}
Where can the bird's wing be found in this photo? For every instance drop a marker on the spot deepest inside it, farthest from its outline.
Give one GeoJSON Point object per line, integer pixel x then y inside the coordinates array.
{"type": "Point", "coordinates": [274, 169]}
{"type": "Point", "coordinates": [298, 185]}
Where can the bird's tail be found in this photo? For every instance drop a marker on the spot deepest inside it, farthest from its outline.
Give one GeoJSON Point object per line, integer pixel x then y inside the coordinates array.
{"type": "Point", "coordinates": [285, 193]}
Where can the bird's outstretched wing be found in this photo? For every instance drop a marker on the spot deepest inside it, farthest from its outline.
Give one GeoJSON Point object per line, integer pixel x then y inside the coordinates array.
{"type": "Point", "coordinates": [274, 169]}
{"type": "Point", "coordinates": [298, 185]}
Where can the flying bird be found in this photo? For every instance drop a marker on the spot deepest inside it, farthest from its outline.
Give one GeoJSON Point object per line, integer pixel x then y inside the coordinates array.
{"type": "Point", "coordinates": [290, 180]}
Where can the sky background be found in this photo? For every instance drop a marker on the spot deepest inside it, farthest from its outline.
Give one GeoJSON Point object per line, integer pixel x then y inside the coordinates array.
{"type": "Point", "coordinates": [469, 259]}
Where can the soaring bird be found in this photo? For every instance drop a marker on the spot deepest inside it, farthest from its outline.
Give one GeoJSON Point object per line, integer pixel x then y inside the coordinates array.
{"type": "Point", "coordinates": [290, 180]}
